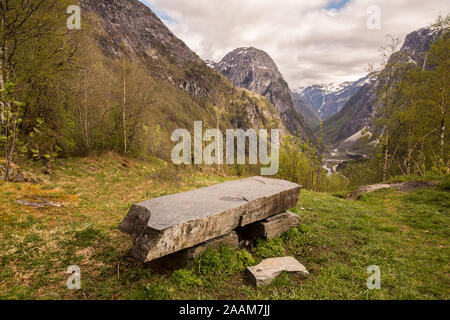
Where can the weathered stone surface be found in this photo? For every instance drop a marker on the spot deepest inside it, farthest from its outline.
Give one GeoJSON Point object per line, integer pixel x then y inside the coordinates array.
{"type": "Point", "coordinates": [264, 273]}
{"type": "Point", "coordinates": [367, 189]}
{"type": "Point", "coordinates": [403, 186]}
{"type": "Point", "coordinates": [171, 223]}
{"type": "Point", "coordinates": [412, 185]}
{"type": "Point", "coordinates": [231, 240]}
{"type": "Point", "coordinates": [182, 258]}
{"type": "Point", "coordinates": [271, 227]}
{"type": "Point", "coordinates": [256, 71]}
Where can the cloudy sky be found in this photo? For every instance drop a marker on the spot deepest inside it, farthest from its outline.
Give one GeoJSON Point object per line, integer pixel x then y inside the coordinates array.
{"type": "Point", "coordinates": [312, 41]}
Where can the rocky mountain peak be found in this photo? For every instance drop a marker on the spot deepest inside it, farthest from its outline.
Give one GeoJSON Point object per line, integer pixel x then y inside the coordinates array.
{"type": "Point", "coordinates": [421, 40]}
{"type": "Point", "coordinates": [255, 70]}
{"type": "Point", "coordinates": [243, 63]}
{"type": "Point", "coordinates": [133, 24]}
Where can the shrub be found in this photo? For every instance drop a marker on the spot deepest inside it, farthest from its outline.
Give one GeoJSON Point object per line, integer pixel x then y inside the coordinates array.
{"type": "Point", "coordinates": [186, 278]}
{"type": "Point", "coordinates": [223, 261]}
{"type": "Point", "coordinates": [156, 291]}
{"type": "Point", "coordinates": [445, 184]}
{"type": "Point", "coordinates": [269, 249]}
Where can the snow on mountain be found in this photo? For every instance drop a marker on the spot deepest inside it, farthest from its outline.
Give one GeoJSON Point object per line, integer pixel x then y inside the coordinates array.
{"type": "Point", "coordinates": [328, 99]}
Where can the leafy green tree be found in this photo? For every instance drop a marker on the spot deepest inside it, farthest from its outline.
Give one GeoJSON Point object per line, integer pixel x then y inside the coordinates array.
{"type": "Point", "coordinates": [35, 52]}
{"type": "Point", "coordinates": [10, 138]}
{"type": "Point", "coordinates": [11, 115]}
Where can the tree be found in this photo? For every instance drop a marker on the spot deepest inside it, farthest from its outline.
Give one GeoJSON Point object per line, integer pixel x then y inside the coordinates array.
{"type": "Point", "coordinates": [387, 92]}
{"type": "Point", "coordinates": [35, 47]}
{"type": "Point", "coordinates": [124, 118]}
{"type": "Point", "coordinates": [22, 21]}
{"type": "Point", "coordinates": [413, 112]}
{"type": "Point", "coordinates": [11, 117]}
{"type": "Point", "coordinates": [438, 87]}
{"type": "Point", "coordinates": [12, 114]}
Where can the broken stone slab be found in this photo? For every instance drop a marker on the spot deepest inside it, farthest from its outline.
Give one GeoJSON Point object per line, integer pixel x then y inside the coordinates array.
{"type": "Point", "coordinates": [39, 203]}
{"type": "Point", "coordinates": [168, 224]}
{"type": "Point", "coordinates": [271, 227]}
{"type": "Point", "coordinates": [265, 272]}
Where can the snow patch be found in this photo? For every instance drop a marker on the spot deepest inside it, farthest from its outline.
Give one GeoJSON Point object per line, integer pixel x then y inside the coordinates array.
{"type": "Point", "coordinates": [357, 136]}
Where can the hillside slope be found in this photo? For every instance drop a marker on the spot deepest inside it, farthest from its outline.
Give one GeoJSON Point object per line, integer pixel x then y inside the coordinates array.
{"type": "Point", "coordinates": [360, 111]}
{"type": "Point", "coordinates": [311, 117]}
{"type": "Point", "coordinates": [168, 85]}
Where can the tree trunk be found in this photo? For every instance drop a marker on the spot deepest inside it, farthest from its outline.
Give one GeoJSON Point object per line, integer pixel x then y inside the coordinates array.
{"type": "Point", "coordinates": [10, 154]}
{"type": "Point", "coordinates": [386, 158]}
{"type": "Point", "coordinates": [442, 139]}
{"type": "Point", "coordinates": [2, 85]}
{"type": "Point", "coordinates": [2, 65]}
{"type": "Point", "coordinates": [86, 124]}
{"type": "Point", "coordinates": [124, 111]}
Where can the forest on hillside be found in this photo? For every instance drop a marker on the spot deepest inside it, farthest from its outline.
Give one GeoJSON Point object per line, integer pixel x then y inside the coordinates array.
{"type": "Point", "coordinates": [63, 96]}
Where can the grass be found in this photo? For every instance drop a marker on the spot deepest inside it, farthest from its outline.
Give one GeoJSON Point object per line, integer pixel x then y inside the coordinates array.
{"type": "Point", "coordinates": [405, 234]}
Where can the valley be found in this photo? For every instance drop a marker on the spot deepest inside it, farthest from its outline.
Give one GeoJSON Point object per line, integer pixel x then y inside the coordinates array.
{"type": "Point", "coordinates": [120, 113]}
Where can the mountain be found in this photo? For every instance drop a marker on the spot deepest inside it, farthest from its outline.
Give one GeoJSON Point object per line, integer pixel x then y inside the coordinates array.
{"type": "Point", "coordinates": [360, 111]}
{"type": "Point", "coordinates": [326, 100]}
{"type": "Point", "coordinates": [255, 70]}
{"type": "Point", "coordinates": [311, 117]}
{"type": "Point", "coordinates": [168, 85]}
{"type": "Point", "coordinates": [134, 25]}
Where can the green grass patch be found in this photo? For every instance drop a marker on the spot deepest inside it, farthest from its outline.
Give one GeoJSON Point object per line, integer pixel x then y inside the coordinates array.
{"type": "Point", "coordinates": [405, 234]}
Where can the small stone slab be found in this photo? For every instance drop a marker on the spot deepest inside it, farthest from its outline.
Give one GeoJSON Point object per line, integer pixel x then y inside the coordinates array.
{"type": "Point", "coordinates": [367, 189]}
{"type": "Point", "coordinates": [168, 224]}
{"type": "Point", "coordinates": [412, 185]}
{"type": "Point", "coordinates": [182, 258]}
{"type": "Point", "coordinates": [272, 227]}
{"type": "Point", "coordinates": [404, 187]}
{"type": "Point", "coordinates": [231, 240]}
{"type": "Point", "coordinates": [39, 203]}
{"type": "Point", "coordinates": [265, 272]}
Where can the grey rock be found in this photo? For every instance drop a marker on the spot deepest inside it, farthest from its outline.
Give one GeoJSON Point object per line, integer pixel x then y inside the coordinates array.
{"type": "Point", "coordinates": [230, 240]}
{"type": "Point", "coordinates": [404, 187]}
{"type": "Point", "coordinates": [367, 189]}
{"type": "Point", "coordinates": [265, 272]}
{"type": "Point", "coordinates": [183, 257]}
{"type": "Point", "coordinates": [273, 226]}
{"type": "Point", "coordinates": [39, 203]}
{"type": "Point", "coordinates": [175, 222]}
{"type": "Point", "coordinates": [133, 24]}
{"type": "Point", "coordinates": [412, 185]}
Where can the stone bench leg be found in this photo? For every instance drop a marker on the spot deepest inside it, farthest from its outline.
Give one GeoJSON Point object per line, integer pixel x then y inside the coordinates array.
{"type": "Point", "coordinates": [183, 257]}
{"type": "Point", "coordinates": [271, 227]}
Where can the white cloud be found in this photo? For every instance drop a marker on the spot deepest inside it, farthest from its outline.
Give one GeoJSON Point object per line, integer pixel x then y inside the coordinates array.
{"type": "Point", "coordinates": [309, 43]}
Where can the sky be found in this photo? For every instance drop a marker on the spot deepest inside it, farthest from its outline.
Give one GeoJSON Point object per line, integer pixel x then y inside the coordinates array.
{"type": "Point", "coordinates": [311, 41]}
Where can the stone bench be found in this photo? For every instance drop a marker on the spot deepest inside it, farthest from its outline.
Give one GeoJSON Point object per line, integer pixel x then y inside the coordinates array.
{"type": "Point", "coordinates": [169, 224]}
